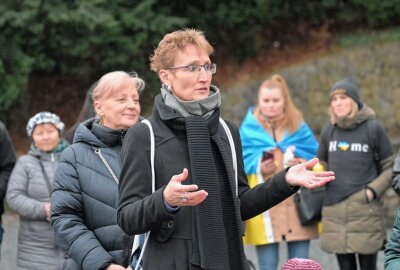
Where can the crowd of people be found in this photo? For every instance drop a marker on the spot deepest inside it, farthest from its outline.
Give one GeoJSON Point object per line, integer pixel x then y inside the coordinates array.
{"type": "Point", "coordinates": [185, 188]}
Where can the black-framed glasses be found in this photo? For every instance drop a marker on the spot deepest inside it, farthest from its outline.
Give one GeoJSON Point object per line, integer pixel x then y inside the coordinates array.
{"type": "Point", "coordinates": [211, 68]}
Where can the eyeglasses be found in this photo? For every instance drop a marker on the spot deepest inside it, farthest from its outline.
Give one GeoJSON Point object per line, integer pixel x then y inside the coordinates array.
{"type": "Point", "coordinates": [211, 68]}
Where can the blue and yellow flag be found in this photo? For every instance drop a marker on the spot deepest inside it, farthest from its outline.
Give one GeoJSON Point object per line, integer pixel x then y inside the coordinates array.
{"type": "Point", "coordinates": [255, 140]}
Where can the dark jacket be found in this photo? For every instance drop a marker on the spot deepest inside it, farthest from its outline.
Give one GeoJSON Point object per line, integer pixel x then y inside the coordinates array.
{"type": "Point", "coordinates": [85, 199]}
{"type": "Point", "coordinates": [392, 249]}
{"type": "Point", "coordinates": [352, 224]}
{"type": "Point", "coordinates": [396, 173]}
{"type": "Point", "coordinates": [7, 162]}
{"type": "Point", "coordinates": [170, 243]}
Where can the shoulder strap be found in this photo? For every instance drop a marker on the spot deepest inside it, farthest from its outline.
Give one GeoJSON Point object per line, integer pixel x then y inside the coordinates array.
{"type": "Point", "coordinates": [233, 150]}
{"type": "Point", "coordinates": [372, 126]}
{"type": "Point", "coordinates": [152, 149]}
{"type": "Point", "coordinates": [329, 131]}
{"type": "Point", "coordinates": [45, 176]}
{"type": "Point", "coordinates": [136, 241]}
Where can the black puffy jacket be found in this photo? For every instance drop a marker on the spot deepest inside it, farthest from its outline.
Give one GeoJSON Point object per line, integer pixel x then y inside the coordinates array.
{"type": "Point", "coordinates": [85, 199]}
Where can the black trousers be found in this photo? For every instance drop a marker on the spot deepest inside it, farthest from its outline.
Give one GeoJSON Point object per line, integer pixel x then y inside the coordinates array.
{"type": "Point", "coordinates": [349, 261]}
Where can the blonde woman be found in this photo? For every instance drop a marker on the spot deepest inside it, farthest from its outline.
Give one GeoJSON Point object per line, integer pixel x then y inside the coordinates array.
{"type": "Point", "coordinates": [275, 136]}
{"type": "Point", "coordinates": [85, 196]}
{"type": "Point", "coordinates": [357, 148]}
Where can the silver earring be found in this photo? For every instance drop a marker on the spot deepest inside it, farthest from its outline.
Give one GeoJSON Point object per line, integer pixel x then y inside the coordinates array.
{"type": "Point", "coordinates": [167, 87]}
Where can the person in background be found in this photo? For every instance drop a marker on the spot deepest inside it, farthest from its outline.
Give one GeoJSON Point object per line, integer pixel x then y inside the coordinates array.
{"type": "Point", "coordinates": [392, 248]}
{"type": "Point", "coordinates": [85, 195]}
{"type": "Point", "coordinates": [87, 111]}
{"type": "Point", "coordinates": [275, 136]}
{"type": "Point", "coordinates": [396, 174]}
{"type": "Point", "coordinates": [195, 213]}
{"type": "Point", "coordinates": [356, 147]}
{"type": "Point", "coordinates": [29, 191]}
{"type": "Point", "coordinates": [7, 162]}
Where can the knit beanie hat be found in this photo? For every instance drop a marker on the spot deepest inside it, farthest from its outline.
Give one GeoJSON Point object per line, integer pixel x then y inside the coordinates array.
{"type": "Point", "coordinates": [44, 118]}
{"type": "Point", "coordinates": [351, 88]}
{"type": "Point", "coordinates": [301, 264]}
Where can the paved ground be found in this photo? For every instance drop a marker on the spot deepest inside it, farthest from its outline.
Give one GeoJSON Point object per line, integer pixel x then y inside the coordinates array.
{"type": "Point", "coordinates": [11, 223]}
{"type": "Point", "coordinates": [10, 239]}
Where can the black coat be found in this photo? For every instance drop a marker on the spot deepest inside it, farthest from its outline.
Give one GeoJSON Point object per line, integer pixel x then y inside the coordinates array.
{"type": "Point", "coordinates": [84, 204]}
{"type": "Point", "coordinates": [139, 211]}
{"type": "Point", "coordinates": [7, 162]}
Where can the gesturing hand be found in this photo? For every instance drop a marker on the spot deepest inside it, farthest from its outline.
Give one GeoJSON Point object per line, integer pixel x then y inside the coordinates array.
{"type": "Point", "coordinates": [298, 175]}
{"type": "Point", "coordinates": [176, 194]}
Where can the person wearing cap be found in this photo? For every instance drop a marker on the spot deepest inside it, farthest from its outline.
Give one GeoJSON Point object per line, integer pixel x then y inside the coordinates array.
{"type": "Point", "coordinates": [87, 111]}
{"type": "Point", "coordinates": [356, 147]}
{"type": "Point", "coordinates": [29, 190]}
{"type": "Point", "coordinates": [85, 193]}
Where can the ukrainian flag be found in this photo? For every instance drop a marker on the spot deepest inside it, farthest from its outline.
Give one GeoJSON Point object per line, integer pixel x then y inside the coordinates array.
{"type": "Point", "coordinates": [255, 140]}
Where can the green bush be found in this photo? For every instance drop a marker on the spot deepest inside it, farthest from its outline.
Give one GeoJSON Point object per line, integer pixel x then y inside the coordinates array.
{"type": "Point", "coordinates": [89, 38]}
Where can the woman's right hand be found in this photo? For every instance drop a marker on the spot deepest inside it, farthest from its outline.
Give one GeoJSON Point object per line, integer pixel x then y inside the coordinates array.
{"type": "Point", "coordinates": [47, 208]}
{"type": "Point", "coordinates": [268, 168]}
{"type": "Point", "coordinates": [175, 194]}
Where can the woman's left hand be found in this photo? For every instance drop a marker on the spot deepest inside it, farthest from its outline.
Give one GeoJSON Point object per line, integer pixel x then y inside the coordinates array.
{"type": "Point", "coordinates": [299, 175]}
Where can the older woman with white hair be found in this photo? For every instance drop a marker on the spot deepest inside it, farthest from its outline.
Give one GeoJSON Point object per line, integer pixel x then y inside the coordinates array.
{"type": "Point", "coordinates": [29, 190]}
{"type": "Point", "coordinates": [85, 196]}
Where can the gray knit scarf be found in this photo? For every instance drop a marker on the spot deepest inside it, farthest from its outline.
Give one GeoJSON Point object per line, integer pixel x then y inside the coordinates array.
{"type": "Point", "coordinates": [204, 107]}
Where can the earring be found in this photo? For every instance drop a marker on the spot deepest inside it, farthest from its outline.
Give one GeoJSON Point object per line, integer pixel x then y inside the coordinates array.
{"type": "Point", "coordinates": [167, 87]}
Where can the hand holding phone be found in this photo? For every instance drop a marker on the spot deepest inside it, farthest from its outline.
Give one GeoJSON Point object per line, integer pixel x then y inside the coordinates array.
{"type": "Point", "coordinates": [266, 155]}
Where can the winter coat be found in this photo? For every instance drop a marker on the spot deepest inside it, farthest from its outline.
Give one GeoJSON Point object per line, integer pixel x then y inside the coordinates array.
{"type": "Point", "coordinates": [396, 174]}
{"type": "Point", "coordinates": [27, 194]}
{"type": "Point", "coordinates": [354, 225]}
{"type": "Point", "coordinates": [170, 244]}
{"type": "Point", "coordinates": [84, 201]}
{"type": "Point", "coordinates": [7, 162]}
{"type": "Point", "coordinates": [392, 249]}
{"type": "Point", "coordinates": [281, 222]}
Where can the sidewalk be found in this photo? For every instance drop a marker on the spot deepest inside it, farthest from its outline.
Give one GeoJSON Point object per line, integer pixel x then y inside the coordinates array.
{"type": "Point", "coordinates": [10, 238]}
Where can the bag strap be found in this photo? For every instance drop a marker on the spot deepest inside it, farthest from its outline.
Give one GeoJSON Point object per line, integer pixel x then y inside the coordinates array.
{"type": "Point", "coordinates": [46, 177]}
{"type": "Point", "coordinates": [153, 181]}
{"type": "Point", "coordinates": [372, 126]}
{"type": "Point", "coordinates": [233, 150]}
{"type": "Point", "coordinates": [136, 241]}
{"type": "Point", "coordinates": [97, 151]}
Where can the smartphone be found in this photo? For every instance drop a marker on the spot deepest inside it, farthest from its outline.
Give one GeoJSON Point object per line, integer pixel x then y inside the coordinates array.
{"type": "Point", "coordinates": [266, 155]}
